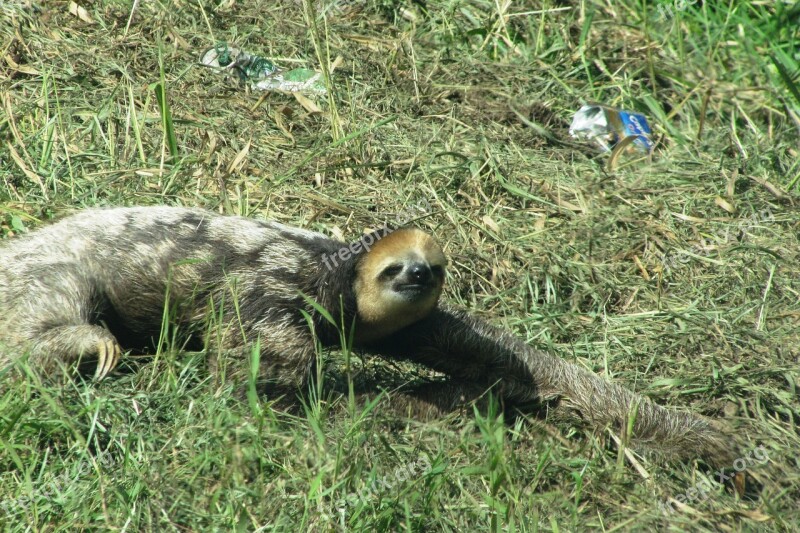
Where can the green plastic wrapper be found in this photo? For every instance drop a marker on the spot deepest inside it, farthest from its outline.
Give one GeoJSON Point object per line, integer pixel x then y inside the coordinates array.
{"type": "Point", "coordinates": [261, 73]}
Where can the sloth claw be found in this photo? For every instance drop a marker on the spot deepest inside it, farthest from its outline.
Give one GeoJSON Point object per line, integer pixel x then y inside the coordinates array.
{"type": "Point", "coordinates": [108, 355]}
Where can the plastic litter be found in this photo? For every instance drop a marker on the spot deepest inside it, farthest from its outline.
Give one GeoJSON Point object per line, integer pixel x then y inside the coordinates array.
{"type": "Point", "coordinates": [261, 73]}
{"type": "Point", "coordinates": [607, 126]}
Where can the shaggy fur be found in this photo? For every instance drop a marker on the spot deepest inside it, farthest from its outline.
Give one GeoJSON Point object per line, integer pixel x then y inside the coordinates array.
{"type": "Point", "coordinates": [99, 282]}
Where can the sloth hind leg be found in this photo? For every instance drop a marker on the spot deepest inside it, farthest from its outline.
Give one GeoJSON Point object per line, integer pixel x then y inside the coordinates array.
{"type": "Point", "coordinates": [75, 345]}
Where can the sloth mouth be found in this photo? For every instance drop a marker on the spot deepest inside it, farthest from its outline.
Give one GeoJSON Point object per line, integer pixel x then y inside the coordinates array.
{"type": "Point", "coordinates": [413, 289]}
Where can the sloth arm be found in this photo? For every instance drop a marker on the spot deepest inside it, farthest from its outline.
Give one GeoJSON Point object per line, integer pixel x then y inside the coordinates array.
{"type": "Point", "coordinates": [475, 352]}
{"type": "Point", "coordinates": [469, 349]}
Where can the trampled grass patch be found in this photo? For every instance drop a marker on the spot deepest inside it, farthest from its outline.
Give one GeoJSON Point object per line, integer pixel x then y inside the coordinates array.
{"type": "Point", "coordinates": [676, 276]}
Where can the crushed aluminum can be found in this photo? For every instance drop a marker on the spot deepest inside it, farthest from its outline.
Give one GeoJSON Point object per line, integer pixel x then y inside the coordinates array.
{"type": "Point", "coordinates": [261, 73]}
{"type": "Point", "coordinates": [606, 126]}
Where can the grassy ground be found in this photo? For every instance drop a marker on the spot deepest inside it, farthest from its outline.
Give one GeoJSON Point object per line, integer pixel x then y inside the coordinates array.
{"type": "Point", "coordinates": [677, 277]}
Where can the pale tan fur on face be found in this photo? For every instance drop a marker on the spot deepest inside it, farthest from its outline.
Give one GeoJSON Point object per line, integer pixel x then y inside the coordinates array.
{"type": "Point", "coordinates": [381, 311]}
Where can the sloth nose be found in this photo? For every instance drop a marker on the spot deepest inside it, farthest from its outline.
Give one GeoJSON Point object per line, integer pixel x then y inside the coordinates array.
{"type": "Point", "coordinates": [420, 273]}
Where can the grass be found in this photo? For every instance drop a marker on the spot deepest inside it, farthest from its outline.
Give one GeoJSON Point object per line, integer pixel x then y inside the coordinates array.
{"type": "Point", "coordinates": [677, 277]}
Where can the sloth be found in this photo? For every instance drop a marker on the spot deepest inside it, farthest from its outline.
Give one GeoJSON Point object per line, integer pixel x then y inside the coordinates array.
{"type": "Point", "coordinates": [98, 284]}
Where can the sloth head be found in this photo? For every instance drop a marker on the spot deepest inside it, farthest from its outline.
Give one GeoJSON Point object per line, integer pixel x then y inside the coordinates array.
{"type": "Point", "coordinates": [398, 281]}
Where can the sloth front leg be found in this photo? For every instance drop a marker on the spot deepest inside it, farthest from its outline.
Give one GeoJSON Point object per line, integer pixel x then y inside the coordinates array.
{"type": "Point", "coordinates": [472, 351]}
{"type": "Point", "coordinates": [75, 345]}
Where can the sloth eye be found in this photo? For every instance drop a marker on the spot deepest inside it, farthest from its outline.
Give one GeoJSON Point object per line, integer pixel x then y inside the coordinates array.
{"type": "Point", "coordinates": [391, 271]}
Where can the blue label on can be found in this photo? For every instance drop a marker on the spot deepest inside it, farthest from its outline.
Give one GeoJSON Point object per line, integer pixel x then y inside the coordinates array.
{"type": "Point", "coordinates": [636, 124]}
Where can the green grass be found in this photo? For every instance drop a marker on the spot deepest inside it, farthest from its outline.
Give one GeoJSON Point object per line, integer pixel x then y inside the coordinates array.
{"type": "Point", "coordinates": [677, 277]}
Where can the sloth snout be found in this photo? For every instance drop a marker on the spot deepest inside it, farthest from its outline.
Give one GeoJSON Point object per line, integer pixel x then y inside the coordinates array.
{"type": "Point", "coordinates": [420, 273]}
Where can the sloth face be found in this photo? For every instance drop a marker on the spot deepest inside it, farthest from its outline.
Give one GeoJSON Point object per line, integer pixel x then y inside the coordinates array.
{"type": "Point", "coordinates": [412, 280]}
{"type": "Point", "coordinates": [398, 282]}
{"type": "Point", "coordinates": [407, 285]}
